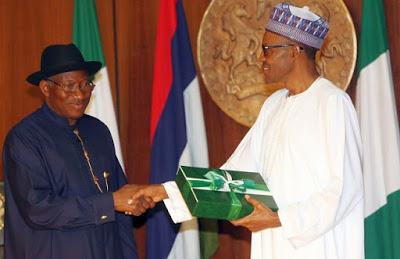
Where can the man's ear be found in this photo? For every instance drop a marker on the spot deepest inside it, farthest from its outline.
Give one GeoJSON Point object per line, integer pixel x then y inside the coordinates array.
{"type": "Point", "coordinates": [296, 50]}
{"type": "Point", "coordinates": [44, 88]}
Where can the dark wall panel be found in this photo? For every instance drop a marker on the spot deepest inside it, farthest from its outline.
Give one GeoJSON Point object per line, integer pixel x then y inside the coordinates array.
{"type": "Point", "coordinates": [136, 25]}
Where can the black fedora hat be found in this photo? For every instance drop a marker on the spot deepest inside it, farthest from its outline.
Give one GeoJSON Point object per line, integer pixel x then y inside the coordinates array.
{"type": "Point", "coordinates": [60, 58]}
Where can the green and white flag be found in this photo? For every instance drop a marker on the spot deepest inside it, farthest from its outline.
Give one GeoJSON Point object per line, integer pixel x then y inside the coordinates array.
{"type": "Point", "coordinates": [376, 107]}
{"type": "Point", "coordinates": [86, 36]}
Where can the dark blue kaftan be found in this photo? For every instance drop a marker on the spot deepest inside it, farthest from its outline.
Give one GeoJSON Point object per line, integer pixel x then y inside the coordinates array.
{"type": "Point", "coordinates": [53, 208]}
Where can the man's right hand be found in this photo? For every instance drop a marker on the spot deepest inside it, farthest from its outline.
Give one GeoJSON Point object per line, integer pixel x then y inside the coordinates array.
{"type": "Point", "coordinates": [157, 192]}
{"type": "Point", "coordinates": [127, 200]}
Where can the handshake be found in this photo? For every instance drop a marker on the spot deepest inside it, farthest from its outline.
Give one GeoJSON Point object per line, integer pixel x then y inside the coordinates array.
{"type": "Point", "coordinates": [133, 199]}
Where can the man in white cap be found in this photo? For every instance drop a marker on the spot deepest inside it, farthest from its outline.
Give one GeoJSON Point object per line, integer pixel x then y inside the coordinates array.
{"type": "Point", "coordinates": [306, 145]}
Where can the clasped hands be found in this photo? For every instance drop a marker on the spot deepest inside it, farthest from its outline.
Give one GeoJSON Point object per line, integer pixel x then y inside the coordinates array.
{"type": "Point", "coordinates": [133, 199]}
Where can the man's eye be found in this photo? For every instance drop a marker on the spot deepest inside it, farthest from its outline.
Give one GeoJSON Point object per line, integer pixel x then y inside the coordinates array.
{"type": "Point", "coordinates": [69, 87]}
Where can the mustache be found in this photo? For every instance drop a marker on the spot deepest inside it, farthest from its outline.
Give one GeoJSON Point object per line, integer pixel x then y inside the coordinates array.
{"type": "Point", "coordinates": [79, 101]}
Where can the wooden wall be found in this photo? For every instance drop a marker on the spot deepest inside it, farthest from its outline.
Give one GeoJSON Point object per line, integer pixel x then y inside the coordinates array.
{"type": "Point", "coordinates": [128, 30]}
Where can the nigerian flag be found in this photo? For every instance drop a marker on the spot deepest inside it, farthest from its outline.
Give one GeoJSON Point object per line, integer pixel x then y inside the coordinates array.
{"type": "Point", "coordinates": [376, 107]}
{"type": "Point", "coordinates": [86, 36]}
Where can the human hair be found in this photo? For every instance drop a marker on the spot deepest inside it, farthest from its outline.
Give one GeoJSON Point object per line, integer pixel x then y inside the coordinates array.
{"type": "Point", "coordinates": [310, 51]}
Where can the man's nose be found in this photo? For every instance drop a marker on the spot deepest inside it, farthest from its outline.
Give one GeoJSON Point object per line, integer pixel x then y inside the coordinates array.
{"type": "Point", "coordinates": [79, 94]}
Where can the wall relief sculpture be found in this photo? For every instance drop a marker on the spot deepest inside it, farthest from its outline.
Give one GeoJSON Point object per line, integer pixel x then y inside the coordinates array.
{"type": "Point", "coordinates": [229, 46]}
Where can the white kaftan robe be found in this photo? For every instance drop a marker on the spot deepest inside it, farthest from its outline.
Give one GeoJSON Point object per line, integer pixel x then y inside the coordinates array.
{"type": "Point", "coordinates": [307, 147]}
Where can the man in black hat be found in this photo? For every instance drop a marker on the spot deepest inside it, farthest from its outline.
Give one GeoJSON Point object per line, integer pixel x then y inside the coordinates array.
{"type": "Point", "coordinates": [65, 189]}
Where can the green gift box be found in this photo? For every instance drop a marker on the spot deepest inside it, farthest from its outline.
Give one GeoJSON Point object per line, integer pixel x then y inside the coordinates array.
{"type": "Point", "coordinates": [219, 194]}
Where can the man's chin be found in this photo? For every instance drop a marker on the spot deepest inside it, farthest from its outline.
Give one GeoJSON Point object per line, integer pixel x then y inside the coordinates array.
{"type": "Point", "coordinates": [76, 115]}
{"type": "Point", "coordinates": [270, 81]}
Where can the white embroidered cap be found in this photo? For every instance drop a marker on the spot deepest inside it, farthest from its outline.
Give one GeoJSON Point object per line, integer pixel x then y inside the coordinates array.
{"type": "Point", "coordinates": [298, 24]}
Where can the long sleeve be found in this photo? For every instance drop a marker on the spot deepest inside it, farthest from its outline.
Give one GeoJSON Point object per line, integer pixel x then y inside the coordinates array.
{"type": "Point", "coordinates": [51, 197]}
{"type": "Point", "coordinates": [305, 221]}
{"type": "Point", "coordinates": [125, 222]}
{"type": "Point", "coordinates": [175, 203]}
{"type": "Point", "coordinates": [40, 206]}
{"type": "Point", "coordinates": [245, 158]}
